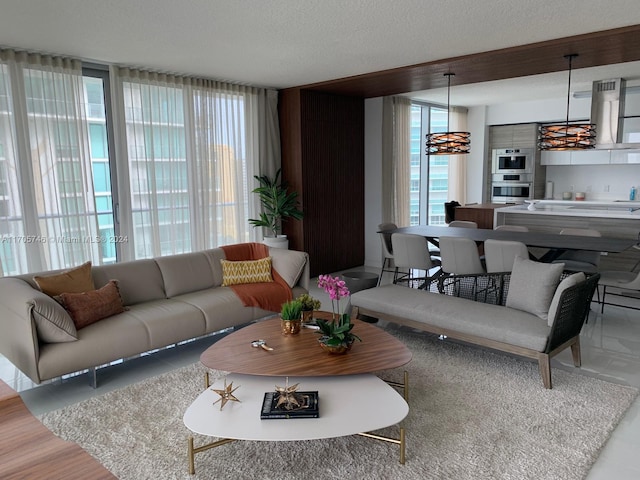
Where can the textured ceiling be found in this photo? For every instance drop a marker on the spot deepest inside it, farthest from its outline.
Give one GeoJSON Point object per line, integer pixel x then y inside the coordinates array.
{"type": "Point", "coordinates": [284, 43]}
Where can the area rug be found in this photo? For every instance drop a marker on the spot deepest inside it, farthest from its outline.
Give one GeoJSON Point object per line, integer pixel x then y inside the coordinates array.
{"type": "Point", "coordinates": [474, 414]}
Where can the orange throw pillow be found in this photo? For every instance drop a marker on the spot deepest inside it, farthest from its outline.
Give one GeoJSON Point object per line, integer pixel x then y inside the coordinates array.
{"type": "Point", "coordinates": [89, 307]}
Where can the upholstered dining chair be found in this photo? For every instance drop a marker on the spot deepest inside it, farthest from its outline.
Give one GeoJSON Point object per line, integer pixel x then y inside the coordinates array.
{"type": "Point", "coordinates": [626, 281]}
{"type": "Point", "coordinates": [500, 254]}
{"type": "Point", "coordinates": [459, 255]}
{"type": "Point", "coordinates": [463, 224]}
{"type": "Point", "coordinates": [410, 253]}
{"type": "Point", "coordinates": [388, 264]}
{"type": "Point", "coordinates": [580, 260]}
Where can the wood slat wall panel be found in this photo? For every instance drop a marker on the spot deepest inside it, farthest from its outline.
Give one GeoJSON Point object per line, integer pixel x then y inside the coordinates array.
{"type": "Point", "coordinates": [329, 173]}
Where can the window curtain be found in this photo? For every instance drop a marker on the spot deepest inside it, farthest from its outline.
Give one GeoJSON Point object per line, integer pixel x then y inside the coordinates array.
{"type": "Point", "coordinates": [47, 211]}
{"type": "Point", "coordinates": [458, 163]}
{"type": "Point", "coordinates": [187, 151]}
{"type": "Point", "coordinates": [396, 160]}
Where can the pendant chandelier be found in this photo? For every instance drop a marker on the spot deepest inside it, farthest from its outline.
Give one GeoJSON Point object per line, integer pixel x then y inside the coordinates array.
{"type": "Point", "coordinates": [567, 136]}
{"type": "Point", "coordinates": [448, 143]}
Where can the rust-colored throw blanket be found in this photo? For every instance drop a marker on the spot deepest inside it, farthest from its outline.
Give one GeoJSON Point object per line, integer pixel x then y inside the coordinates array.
{"type": "Point", "coordinates": [269, 295]}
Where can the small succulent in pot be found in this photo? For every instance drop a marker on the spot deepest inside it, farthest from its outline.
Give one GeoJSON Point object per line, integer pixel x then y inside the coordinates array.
{"type": "Point", "coordinates": [308, 302]}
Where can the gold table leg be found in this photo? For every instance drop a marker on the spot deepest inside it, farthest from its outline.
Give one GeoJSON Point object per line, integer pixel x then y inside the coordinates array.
{"type": "Point", "coordinates": [191, 451]}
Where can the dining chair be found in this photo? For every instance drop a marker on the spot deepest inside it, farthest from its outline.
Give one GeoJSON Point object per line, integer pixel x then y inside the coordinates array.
{"type": "Point", "coordinates": [626, 281]}
{"type": "Point", "coordinates": [388, 264]}
{"type": "Point", "coordinates": [459, 255]}
{"type": "Point", "coordinates": [580, 260]}
{"type": "Point", "coordinates": [463, 224]}
{"type": "Point", "coordinates": [500, 254]}
{"type": "Point", "coordinates": [410, 253]}
{"type": "Point", "coordinates": [512, 228]}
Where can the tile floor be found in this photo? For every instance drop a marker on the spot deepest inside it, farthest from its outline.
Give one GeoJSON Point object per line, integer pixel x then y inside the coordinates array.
{"type": "Point", "coordinates": [610, 350]}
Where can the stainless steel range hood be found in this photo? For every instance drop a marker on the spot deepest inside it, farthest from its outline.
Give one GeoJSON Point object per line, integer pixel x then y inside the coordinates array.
{"type": "Point", "coordinates": [607, 113]}
{"type": "Point", "coordinates": [607, 110]}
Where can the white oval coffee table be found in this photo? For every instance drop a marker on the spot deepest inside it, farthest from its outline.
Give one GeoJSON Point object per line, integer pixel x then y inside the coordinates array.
{"type": "Point", "coordinates": [348, 405]}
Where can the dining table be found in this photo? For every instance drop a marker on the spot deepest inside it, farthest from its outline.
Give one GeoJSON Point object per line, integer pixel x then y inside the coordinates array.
{"type": "Point", "coordinates": [554, 242]}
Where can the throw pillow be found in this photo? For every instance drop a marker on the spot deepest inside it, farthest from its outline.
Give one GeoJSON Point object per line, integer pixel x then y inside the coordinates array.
{"type": "Point", "coordinates": [289, 264]}
{"type": "Point", "coordinates": [53, 323]}
{"type": "Point", "coordinates": [88, 307]}
{"type": "Point", "coordinates": [75, 280]}
{"type": "Point", "coordinates": [532, 286]}
{"type": "Point", "coordinates": [247, 271]}
{"type": "Point", "coordinates": [570, 281]}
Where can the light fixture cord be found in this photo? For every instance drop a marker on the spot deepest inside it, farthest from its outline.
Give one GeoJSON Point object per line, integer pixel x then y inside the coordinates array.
{"type": "Point", "coordinates": [566, 128]}
{"type": "Point", "coordinates": [448, 96]}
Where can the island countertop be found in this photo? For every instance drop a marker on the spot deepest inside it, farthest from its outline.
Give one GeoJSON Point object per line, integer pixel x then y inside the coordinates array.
{"type": "Point", "coordinates": [573, 208]}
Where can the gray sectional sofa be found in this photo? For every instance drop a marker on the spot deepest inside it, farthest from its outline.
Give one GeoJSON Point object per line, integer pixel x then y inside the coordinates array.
{"type": "Point", "coordinates": [167, 299]}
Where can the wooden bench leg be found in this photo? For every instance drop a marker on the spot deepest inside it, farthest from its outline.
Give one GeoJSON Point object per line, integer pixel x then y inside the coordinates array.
{"type": "Point", "coordinates": [575, 352]}
{"type": "Point", "coordinates": [544, 362]}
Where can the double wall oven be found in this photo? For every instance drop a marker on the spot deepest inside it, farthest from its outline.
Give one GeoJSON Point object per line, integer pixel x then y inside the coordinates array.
{"type": "Point", "coordinates": [512, 175]}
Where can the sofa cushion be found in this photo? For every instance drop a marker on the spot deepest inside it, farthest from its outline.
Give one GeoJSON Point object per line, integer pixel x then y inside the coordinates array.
{"type": "Point", "coordinates": [532, 286]}
{"type": "Point", "coordinates": [75, 280]}
{"type": "Point", "coordinates": [89, 307]}
{"type": "Point", "coordinates": [246, 271]}
{"type": "Point", "coordinates": [53, 322]}
{"type": "Point", "coordinates": [139, 281]}
{"type": "Point", "coordinates": [570, 281]}
{"type": "Point", "coordinates": [185, 273]}
{"type": "Point", "coordinates": [493, 322]}
{"type": "Point", "coordinates": [289, 264]}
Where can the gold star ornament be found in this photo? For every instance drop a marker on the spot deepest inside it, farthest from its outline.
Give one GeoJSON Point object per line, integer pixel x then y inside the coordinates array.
{"type": "Point", "coordinates": [226, 394]}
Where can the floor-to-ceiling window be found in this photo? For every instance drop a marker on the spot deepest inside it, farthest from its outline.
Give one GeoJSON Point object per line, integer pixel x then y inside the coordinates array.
{"type": "Point", "coordinates": [429, 173]}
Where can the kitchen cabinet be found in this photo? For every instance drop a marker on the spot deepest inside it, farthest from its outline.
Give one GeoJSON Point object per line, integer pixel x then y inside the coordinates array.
{"type": "Point", "coordinates": [576, 157]}
{"type": "Point", "coordinates": [555, 157]}
{"type": "Point", "coordinates": [625, 156]}
{"type": "Point", "coordinates": [523, 135]}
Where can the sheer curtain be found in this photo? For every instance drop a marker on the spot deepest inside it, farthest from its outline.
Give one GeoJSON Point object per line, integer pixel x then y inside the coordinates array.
{"type": "Point", "coordinates": [187, 152]}
{"type": "Point", "coordinates": [47, 211]}
{"type": "Point", "coordinates": [396, 160]}
{"type": "Point", "coordinates": [458, 163]}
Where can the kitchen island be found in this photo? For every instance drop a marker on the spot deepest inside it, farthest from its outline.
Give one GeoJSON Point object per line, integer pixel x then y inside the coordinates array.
{"type": "Point", "coordinates": [612, 218]}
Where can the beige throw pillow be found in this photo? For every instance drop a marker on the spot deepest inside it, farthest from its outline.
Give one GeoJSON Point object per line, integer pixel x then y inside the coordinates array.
{"type": "Point", "coordinates": [532, 286]}
{"type": "Point", "coordinates": [75, 280]}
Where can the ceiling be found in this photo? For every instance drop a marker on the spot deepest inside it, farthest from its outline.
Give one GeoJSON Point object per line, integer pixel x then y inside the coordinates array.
{"type": "Point", "coordinates": [286, 43]}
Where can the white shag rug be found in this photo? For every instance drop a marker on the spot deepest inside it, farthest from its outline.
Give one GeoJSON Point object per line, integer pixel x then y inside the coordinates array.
{"type": "Point", "coordinates": [474, 414]}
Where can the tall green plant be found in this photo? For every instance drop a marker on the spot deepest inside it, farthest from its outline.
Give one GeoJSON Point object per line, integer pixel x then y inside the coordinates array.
{"type": "Point", "coordinates": [277, 203]}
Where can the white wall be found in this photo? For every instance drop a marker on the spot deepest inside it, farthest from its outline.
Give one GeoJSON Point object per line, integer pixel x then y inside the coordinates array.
{"type": "Point", "coordinates": [594, 180]}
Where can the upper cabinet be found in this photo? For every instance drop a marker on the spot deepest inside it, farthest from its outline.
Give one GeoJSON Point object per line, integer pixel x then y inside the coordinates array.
{"type": "Point", "coordinates": [523, 135]}
{"type": "Point", "coordinates": [590, 157]}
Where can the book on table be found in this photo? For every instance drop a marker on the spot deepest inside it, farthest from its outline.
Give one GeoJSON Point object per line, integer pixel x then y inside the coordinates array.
{"type": "Point", "coordinates": [307, 406]}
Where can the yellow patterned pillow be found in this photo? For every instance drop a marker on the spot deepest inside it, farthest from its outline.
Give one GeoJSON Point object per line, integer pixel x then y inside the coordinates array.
{"type": "Point", "coordinates": [246, 271]}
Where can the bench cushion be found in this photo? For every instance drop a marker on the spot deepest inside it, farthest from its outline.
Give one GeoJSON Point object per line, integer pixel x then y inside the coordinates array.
{"type": "Point", "coordinates": [493, 322]}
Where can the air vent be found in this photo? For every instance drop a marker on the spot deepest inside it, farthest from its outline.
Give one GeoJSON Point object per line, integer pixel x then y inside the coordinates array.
{"type": "Point", "coordinates": [606, 85]}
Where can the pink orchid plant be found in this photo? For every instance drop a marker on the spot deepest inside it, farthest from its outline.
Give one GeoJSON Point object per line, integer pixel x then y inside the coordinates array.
{"type": "Point", "coordinates": [336, 288]}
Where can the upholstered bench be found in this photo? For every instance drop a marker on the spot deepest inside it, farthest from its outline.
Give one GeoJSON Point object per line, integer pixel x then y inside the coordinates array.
{"type": "Point", "coordinates": [490, 316]}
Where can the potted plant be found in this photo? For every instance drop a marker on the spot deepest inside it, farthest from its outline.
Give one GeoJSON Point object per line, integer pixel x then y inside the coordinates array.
{"type": "Point", "coordinates": [336, 334]}
{"type": "Point", "coordinates": [309, 304]}
{"type": "Point", "coordinates": [278, 204]}
{"type": "Point", "coordinates": [291, 317]}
